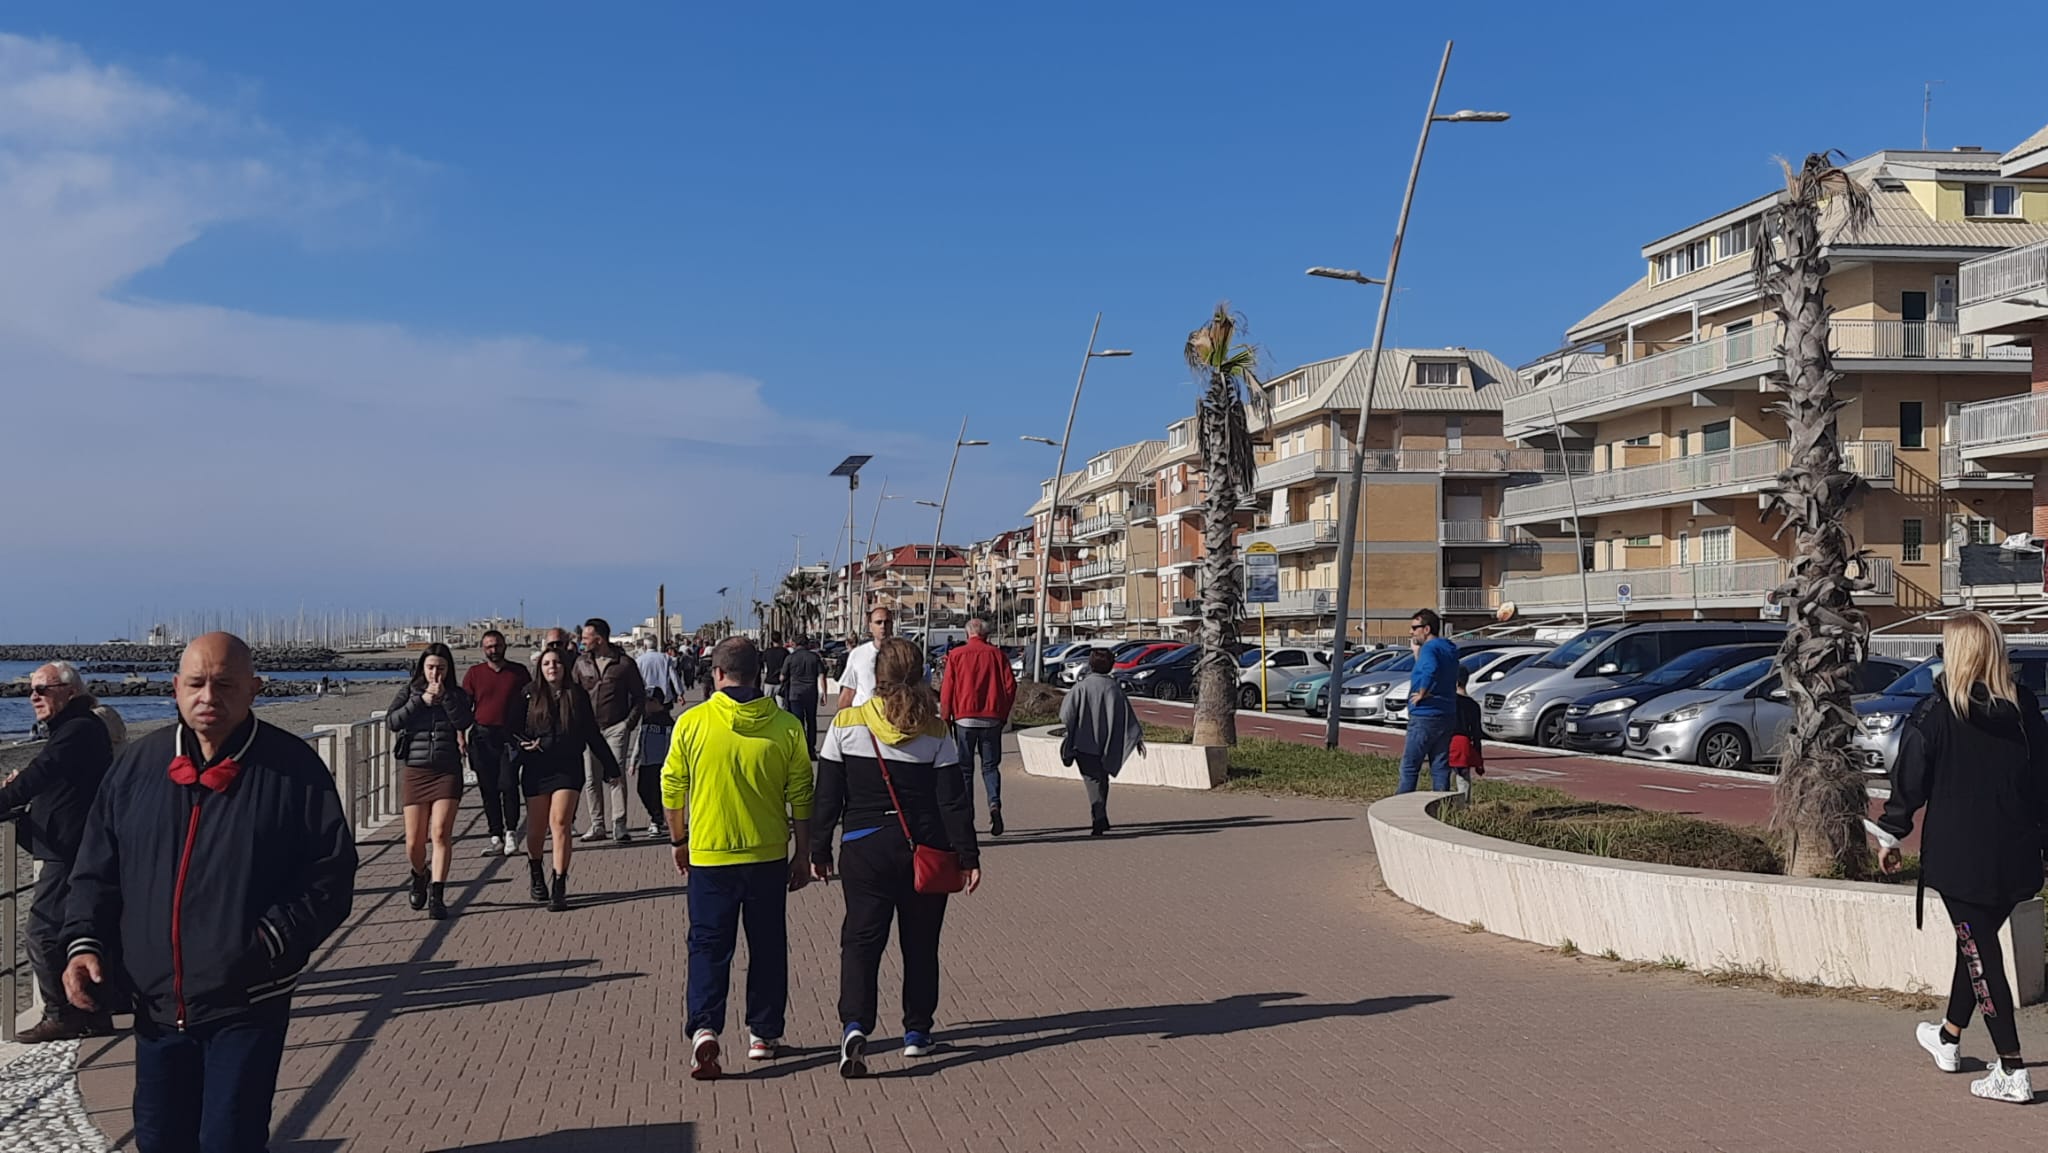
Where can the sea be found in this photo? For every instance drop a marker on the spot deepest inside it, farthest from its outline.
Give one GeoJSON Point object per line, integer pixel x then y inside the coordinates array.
{"type": "Point", "coordinates": [17, 716]}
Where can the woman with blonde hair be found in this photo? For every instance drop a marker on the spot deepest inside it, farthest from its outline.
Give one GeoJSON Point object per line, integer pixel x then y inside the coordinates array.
{"type": "Point", "coordinates": [1974, 754]}
{"type": "Point", "coordinates": [890, 771]}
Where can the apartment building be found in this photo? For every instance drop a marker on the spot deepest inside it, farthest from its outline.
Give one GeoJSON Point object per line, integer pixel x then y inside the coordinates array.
{"type": "Point", "coordinates": [1664, 397]}
{"type": "Point", "coordinates": [1003, 581]}
{"type": "Point", "coordinates": [906, 579]}
{"type": "Point", "coordinates": [1180, 493]}
{"type": "Point", "coordinates": [1115, 547]}
{"type": "Point", "coordinates": [1052, 531]}
{"type": "Point", "coordinates": [1438, 467]}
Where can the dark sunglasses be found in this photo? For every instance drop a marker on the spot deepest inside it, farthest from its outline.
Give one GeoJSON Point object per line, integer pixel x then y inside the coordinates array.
{"type": "Point", "coordinates": [43, 690]}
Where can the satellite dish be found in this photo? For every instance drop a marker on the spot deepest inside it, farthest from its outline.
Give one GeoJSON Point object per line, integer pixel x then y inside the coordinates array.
{"type": "Point", "coordinates": [1178, 484]}
{"type": "Point", "coordinates": [1505, 613]}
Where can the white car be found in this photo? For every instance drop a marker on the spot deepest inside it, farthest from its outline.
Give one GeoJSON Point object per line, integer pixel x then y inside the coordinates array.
{"type": "Point", "coordinates": [1280, 667]}
{"type": "Point", "coordinates": [1481, 667]}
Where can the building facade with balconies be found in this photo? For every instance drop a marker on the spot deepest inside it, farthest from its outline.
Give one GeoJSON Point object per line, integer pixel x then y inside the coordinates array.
{"type": "Point", "coordinates": [1052, 533]}
{"type": "Point", "coordinates": [907, 579]}
{"type": "Point", "coordinates": [1003, 582]}
{"type": "Point", "coordinates": [1663, 406]}
{"type": "Point", "coordinates": [1438, 466]}
{"type": "Point", "coordinates": [1115, 556]}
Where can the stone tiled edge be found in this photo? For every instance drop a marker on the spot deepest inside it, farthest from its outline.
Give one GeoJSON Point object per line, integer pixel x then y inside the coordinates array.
{"type": "Point", "coordinates": [1842, 933]}
{"type": "Point", "coordinates": [40, 1108]}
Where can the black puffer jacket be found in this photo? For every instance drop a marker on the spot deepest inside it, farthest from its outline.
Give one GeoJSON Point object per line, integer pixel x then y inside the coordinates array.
{"type": "Point", "coordinates": [59, 785]}
{"type": "Point", "coordinates": [429, 735]}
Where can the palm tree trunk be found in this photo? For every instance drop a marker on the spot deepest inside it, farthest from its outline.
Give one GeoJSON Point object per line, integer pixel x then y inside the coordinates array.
{"type": "Point", "coordinates": [1216, 672]}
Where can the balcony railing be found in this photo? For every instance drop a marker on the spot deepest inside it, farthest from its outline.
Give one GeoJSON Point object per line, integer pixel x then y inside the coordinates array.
{"type": "Point", "coordinates": [1488, 530]}
{"type": "Point", "coordinates": [1185, 608]}
{"type": "Point", "coordinates": [2009, 420]}
{"type": "Point", "coordinates": [1293, 537]}
{"type": "Point", "coordinates": [1750, 467]}
{"type": "Point", "coordinates": [1677, 586]}
{"type": "Point", "coordinates": [1136, 512]}
{"type": "Point", "coordinates": [1987, 572]}
{"type": "Point", "coordinates": [1299, 603]}
{"type": "Point", "coordinates": [1578, 395]}
{"type": "Point", "coordinates": [1913, 340]}
{"type": "Point", "coordinates": [1099, 525]}
{"type": "Point", "coordinates": [1466, 600]}
{"type": "Point", "coordinates": [1337, 462]}
{"type": "Point", "coordinates": [1957, 471]}
{"type": "Point", "coordinates": [2004, 274]}
{"type": "Point", "coordinates": [1095, 570]}
{"type": "Point", "coordinates": [1100, 614]}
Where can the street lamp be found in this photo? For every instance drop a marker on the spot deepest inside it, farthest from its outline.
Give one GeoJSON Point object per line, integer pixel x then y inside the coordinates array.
{"type": "Point", "coordinates": [931, 578]}
{"type": "Point", "coordinates": [1350, 274]}
{"type": "Point", "coordinates": [1052, 511]}
{"type": "Point", "coordinates": [850, 469]}
{"type": "Point", "coordinates": [873, 521]}
{"type": "Point", "coordinates": [1347, 529]}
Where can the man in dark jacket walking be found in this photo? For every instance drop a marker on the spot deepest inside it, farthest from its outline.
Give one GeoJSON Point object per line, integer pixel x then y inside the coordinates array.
{"type": "Point", "coordinates": [215, 860]}
{"type": "Point", "coordinates": [617, 698]}
{"type": "Point", "coordinates": [975, 698]}
{"type": "Point", "coordinates": [803, 683]}
{"type": "Point", "coordinates": [58, 788]}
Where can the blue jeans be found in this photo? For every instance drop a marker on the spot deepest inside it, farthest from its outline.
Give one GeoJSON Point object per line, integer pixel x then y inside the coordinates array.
{"type": "Point", "coordinates": [722, 899]}
{"type": "Point", "coordinates": [989, 743]}
{"type": "Point", "coordinates": [208, 1089]}
{"type": "Point", "coordinates": [1429, 738]}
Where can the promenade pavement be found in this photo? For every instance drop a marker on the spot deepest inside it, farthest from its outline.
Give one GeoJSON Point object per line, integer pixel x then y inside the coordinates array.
{"type": "Point", "coordinates": [1221, 972]}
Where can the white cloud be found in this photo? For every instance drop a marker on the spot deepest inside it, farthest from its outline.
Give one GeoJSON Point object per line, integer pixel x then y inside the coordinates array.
{"type": "Point", "coordinates": [199, 433]}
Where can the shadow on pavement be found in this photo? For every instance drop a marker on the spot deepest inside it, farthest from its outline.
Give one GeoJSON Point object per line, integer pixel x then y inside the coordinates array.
{"type": "Point", "coordinates": [1119, 830]}
{"type": "Point", "coordinates": [1234, 1014]}
{"type": "Point", "coordinates": [400, 989]}
{"type": "Point", "coordinates": [674, 1137]}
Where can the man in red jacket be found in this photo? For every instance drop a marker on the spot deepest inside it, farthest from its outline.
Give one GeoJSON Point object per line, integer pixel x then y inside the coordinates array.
{"type": "Point", "coordinates": [975, 698]}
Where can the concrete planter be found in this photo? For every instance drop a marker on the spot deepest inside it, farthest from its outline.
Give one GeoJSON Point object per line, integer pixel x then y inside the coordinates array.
{"type": "Point", "coordinates": [1171, 766]}
{"type": "Point", "coordinates": [1830, 932]}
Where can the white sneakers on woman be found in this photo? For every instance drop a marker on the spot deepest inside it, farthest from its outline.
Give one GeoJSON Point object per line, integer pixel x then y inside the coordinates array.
{"type": "Point", "coordinates": [1948, 1055]}
{"type": "Point", "coordinates": [2000, 1084]}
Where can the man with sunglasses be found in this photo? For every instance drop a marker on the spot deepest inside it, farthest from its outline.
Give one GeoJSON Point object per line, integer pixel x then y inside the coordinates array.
{"type": "Point", "coordinates": [58, 787]}
{"type": "Point", "coordinates": [1432, 704]}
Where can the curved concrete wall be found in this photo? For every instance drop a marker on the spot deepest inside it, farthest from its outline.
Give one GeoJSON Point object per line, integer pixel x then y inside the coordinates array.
{"type": "Point", "coordinates": [1831, 932]}
{"type": "Point", "coordinates": [1171, 766]}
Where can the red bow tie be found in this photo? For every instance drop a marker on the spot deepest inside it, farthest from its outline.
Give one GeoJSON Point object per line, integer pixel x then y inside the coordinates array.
{"type": "Point", "coordinates": [217, 778]}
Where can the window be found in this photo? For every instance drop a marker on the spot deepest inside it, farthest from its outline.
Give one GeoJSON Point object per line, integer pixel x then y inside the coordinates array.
{"type": "Point", "coordinates": [1177, 436]}
{"type": "Point", "coordinates": [1683, 259]}
{"type": "Point", "coordinates": [1454, 433]}
{"type": "Point", "coordinates": [1642, 441]}
{"type": "Point", "coordinates": [1980, 530]}
{"type": "Point", "coordinates": [1629, 656]}
{"type": "Point", "coordinates": [1735, 240]}
{"type": "Point", "coordinates": [1684, 442]}
{"type": "Point", "coordinates": [1717, 545]}
{"type": "Point", "coordinates": [1638, 541]}
{"type": "Point", "coordinates": [1715, 437]}
{"type": "Point", "coordinates": [1912, 533]}
{"type": "Point", "coordinates": [1991, 200]}
{"type": "Point", "coordinates": [1436, 374]}
{"type": "Point", "coordinates": [1099, 468]}
{"type": "Point", "coordinates": [1912, 430]}
{"type": "Point", "coordinates": [1300, 441]}
{"type": "Point", "coordinates": [1684, 548]}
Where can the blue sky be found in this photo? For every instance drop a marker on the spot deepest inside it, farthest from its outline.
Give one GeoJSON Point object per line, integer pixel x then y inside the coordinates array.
{"type": "Point", "coordinates": [432, 309]}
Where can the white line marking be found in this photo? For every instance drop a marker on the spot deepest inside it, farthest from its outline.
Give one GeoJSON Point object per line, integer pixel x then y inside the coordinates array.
{"type": "Point", "coordinates": [1665, 788]}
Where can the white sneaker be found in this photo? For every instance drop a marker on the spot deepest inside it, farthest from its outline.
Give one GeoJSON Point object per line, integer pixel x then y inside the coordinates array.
{"type": "Point", "coordinates": [512, 844]}
{"type": "Point", "coordinates": [704, 1056]}
{"type": "Point", "coordinates": [656, 831]}
{"type": "Point", "coordinates": [1999, 1085]}
{"type": "Point", "coordinates": [595, 833]}
{"type": "Point", "coordinates": [493, 846]}
{"type": "Point", "coordinates": [1948, 1055]}
{"type": "Point", "coordinates": [763, 1048]}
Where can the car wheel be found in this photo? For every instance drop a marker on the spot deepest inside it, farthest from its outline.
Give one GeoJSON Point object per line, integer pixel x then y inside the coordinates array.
{"type": "Point", "coordinates": [1247, 696]}
{"type": "Point", "coordinates": [1167, 692]}
{"type": "Point", "coordinates": [1550, 729]}
{"type": "Point", "coordinates": [1724, 748]}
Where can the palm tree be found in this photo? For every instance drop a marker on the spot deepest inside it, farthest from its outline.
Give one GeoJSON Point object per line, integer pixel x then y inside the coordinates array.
{"type": "Point", "coordinates": [1228, 375]}
{"type": "Point", "coordinates": [1820, 801]}
{"type": "Point", "coordinates": [801, 590]}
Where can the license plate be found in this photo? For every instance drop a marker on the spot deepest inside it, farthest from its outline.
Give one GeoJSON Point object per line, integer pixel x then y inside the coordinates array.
{"type": "Point", "coordinates": [1571, 726]}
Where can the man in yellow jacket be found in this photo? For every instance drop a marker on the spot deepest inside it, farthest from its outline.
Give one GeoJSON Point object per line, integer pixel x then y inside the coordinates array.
{"type": "Point", "coordinates": [737, 781]}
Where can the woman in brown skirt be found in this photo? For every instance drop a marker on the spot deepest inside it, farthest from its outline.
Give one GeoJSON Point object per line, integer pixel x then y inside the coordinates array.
{"type": "Point", "coordinates": [430, 715]}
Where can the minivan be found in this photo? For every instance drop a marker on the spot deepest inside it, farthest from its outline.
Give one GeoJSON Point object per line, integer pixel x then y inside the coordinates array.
{"type": "Point", "coordinates": [1529, 704]}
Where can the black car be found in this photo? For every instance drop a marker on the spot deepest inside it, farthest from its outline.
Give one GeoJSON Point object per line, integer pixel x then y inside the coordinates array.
{"type": "Point", "coordinates": [1598, 721]}
{"type": "Point", "coordinates": [1169, 676]}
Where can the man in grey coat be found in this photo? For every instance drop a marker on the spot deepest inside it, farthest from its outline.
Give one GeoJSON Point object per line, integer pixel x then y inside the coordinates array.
{"type": "Point", "coordinates": [1102, 730]}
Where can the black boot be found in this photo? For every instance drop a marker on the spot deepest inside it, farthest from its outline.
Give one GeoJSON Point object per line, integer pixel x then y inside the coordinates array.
{"type": "Point", "coordinates": [437, 901]}
{"type": "Point", "coordinates": [536, 880]}
{"type": "Point", "coordinates": [558, 901]}
{"type": "Point", "coordinates": [417, 898]}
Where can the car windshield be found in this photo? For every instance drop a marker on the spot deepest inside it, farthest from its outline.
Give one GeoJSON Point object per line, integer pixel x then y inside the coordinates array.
{"type": "Point", "coordinates": [1741, 676]}
{"type": "Point", "coordinates": [1564, 655]}
{"type": "Point", "coordinates": [1251, 658]}
{"type": "Point", "coordinates": [1683, 668]}
{"type": "Point", "coordinates": [1401, 664]}
{"type": "Point", "coordinates": [1165, 655]}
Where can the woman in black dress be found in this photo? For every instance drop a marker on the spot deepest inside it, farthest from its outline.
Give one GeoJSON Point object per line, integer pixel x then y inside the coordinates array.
{"type": "Point", "coordinates": [559, 726]}
{"type": "Point", "coordinates": [430, 715]}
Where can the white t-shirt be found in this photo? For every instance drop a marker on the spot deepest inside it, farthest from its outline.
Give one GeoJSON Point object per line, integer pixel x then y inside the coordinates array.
{"type": "Point", "coordinates": [860, 673]}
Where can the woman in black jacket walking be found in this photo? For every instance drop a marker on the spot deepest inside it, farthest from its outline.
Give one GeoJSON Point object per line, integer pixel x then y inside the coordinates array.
{"type": "Point", "coordinates": [430, 715]}
{"type": "Point", "coordinates": [890, 770]}
{"type": "Point", "coordinates": [557, 726]}
{"type": "Point", "coordinates": [1975, 755]}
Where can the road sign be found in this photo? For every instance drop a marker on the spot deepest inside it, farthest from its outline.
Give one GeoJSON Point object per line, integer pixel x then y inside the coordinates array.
{"type": "Point", "coordinates": [1261, 574]}
{"type": "Point", "coordinates": [1624, 593]}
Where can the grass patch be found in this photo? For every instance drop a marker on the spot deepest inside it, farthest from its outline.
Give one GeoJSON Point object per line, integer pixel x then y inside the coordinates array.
{"type": "Point", "coordinates": [1167, 735]}
{"type": "Point", "coordinates": [1567, 948]}
{"type": "Point", "coordinates": [1552, 819]}
{"type": "Point", "coordinates": [1261, 765]}
{"type": "Point", "coordinates": [1023, 720]}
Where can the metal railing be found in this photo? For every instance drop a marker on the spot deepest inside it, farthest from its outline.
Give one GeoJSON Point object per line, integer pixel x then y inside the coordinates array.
{"type": "Point", "coordinates": [1100, 614]}
{"type": "Point", "coordinates": [1184, 607]}
{"type": "Point", "coordinates": [1099, 525]}
{"type": "Point", "coordinates": [1914, 340]}
{"type": "Point", "coordinates": [1095, 570]}
{"type": "Point", "coordinates": [1467, 600]}
{"type": "Point", "coordinates": [1956, 470]}
{"type": "Point", "coordinates": [2007, 273]}
{"type": "Point", "coordinates": [1487, 530]}
{"type": "Point", "coordinates": [1337, 462]}
{"type": "Point", "coordinates": [1686, 477]}
{"type": "Point", "coordinates": [1750, 346]}
{"type": "Point", "coordinates": [2004, 421]}
{"type": "Point", "coordinates": [1300, 535]}
{"type": "Point", "coordinates": [1141, 510]}
{"type": "Point", "coordinates": [1675, 586]}
{"type": "Point", "coordinates": [1299, 602]}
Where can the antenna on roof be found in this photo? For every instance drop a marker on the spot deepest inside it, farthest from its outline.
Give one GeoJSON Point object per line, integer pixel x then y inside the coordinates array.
{"type": "Point", "coordinates": [1926, 103]}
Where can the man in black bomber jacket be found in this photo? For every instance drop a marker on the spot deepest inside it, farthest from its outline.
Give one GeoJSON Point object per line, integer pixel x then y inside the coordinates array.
{"type": "Point", "coordinates": [215, 860]}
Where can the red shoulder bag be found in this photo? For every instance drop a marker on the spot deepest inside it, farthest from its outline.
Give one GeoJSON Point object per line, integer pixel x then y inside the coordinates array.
{"type": "Point", "coordinates": [934, 870]}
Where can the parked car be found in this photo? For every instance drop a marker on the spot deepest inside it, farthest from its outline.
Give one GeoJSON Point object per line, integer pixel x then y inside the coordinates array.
{"type": "Point", "coordinates": [1311, 694]}
{"type": "Point", "coordinates": [1133, 655]}
{"type": "Point", "coordinates": [1482, 666]}
{"type": "Point", "coordinates": [1166, 676]}
{"type": "Point", "coordinates": [1278, 669]}
{"type": "Point", "coordinates": [1598, 721]}
{"type": "Point", "coordinates": [1733, 719]}
{"type": "Point", "coordinates": [1879, 716]}
{"type": "Point", "coordinates": [1529, 704]}
{"type": "Point", "coordinates": [1073, 662]}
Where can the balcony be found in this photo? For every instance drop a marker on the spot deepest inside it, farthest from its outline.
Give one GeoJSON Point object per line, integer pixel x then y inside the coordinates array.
{"type": "Point", "coordinates": [1333, 463]}
{"type": "Point", "coordinates": [2006, 292]}
{"type": "Point", "coordinates": [1173, 566]}
{"type": "Point", "coordinates": [1751, 468]}
{"type": "Point", "coordinates": [1141, 513]}
{"type": "Point", "coordinates": [1959, 473]}
{"type": "Point", "coordinates": [1729, 584]}
{"type": "Point", "coordinates": [1986, 573]}
{"type": "Point", "coordinates": [1093, 615]}
{"type": "Point", "coordinates": [2013, 427]}
{"type": "Point", "coordinates": [1485, 531]}
{"type": "Point", "coordinates": [1299, 603]}
{"type": "Point", "coordinates": [1184, 610]}
{"type": "Point", "coordinates": [1734, 358]}
{"type": "Point", "coordinates": [1103, 525]}
{"type": "Point", "coordinates": [1098, 570]}
{"type": "Point", "coordinates": [1468, 600]}
{"type": "Point", "coordinates": [1296, 537]}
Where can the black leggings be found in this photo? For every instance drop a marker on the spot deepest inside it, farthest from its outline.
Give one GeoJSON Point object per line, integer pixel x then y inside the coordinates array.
{"type": "Point", "coordinates": [497, 779]}
{"type": "Point", "coordinates": [1979, 983]}
{"type": "Point", "coordinates": [878, 881]}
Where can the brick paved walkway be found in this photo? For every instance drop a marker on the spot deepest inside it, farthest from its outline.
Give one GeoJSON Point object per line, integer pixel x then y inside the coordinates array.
{"type": "Point", "coordinates": [1222, 973]}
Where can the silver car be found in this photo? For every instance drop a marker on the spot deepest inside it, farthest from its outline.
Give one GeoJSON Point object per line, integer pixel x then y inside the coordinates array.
{"type": "Point", "coordinates": [1881, 717]}
{"type": "Point", "coordinates": [1481, 667]}
{"type": "Point", "coordinates": [1731, 720]}
{"type": "Point", "coordinates": [1280, 668]}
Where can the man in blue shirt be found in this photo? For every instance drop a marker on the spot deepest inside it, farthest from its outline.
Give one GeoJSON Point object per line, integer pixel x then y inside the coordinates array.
{"type": "Point", "coordinates": [1432, 704]}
